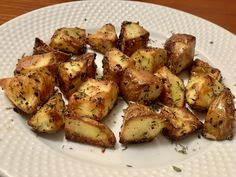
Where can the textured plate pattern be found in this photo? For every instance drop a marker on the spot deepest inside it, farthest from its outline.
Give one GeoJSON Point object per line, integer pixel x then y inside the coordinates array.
{"type": "Point", "coordinates": [24, 155]}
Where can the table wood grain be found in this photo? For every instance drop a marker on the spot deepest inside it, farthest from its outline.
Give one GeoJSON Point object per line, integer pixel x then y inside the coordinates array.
{"type": "Point", "coordinates": [220, 12]}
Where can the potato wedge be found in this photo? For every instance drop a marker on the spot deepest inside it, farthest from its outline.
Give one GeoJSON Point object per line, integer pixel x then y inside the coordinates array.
{"type": "Point", "coordinates": [180, 51]}
{"type": "Point", "coordinates": [104, 39]}
{"type": "Point", "coordinates": [94, 98]}
{"type": "Point", "coordinates": [140, 86]}
{"type": "Point", "coordinates": [201, 91]}
{"type": "Point", "coordinates": [219, 122]}
{"type": "Point", "coordinates": [114, 64]}
{"type": "Point", "coordinates": [132, 37]}
{"type": "Point", "coordinates": [149, 59]}
{"type": "Point", "coordinates": [173, 93]}
{"type": "Point", "coordinates": [200, 67]}
{"type": "Point", "coordinates": [85, 130]}
{"type": "Point", "coordinates": [29, 91]}
{"type": "Point", "coordinates": [50, 117]}
{"type": "Point", "coordinates": [140, 124]}
{"type": "Point", "coordinates": [69, 40]}
{"type": "Point", "coordinates": [180, 122]}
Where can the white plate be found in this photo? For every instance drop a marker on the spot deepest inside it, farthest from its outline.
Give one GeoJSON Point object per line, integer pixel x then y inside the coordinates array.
{"type": "Point", "coordinates": [23, 153]}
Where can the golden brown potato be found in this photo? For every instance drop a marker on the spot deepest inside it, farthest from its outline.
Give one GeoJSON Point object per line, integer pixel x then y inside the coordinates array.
{"type": "Point", "coordinates": [29, 91]}
{"type": "Point", "coordinates": [85, 130]}
{"type": "Point", "coordinates": [91, 65]}
{"type": "Point", "coordinates": [50, 117]}
{"type": "Point", "coordinates": [94, 98]}
{"type": "Point", "coordinates": [149, 59]}
{"type": "Point", "coordinates": [47, 60]}
{"type": "Point", "coordinates": [71, 75]}
{"type": "Point", "coordinates": [104, 39]}
{"type": "Point", "coordinates": [41, 47]}
{"type": "Point", "coordinates": [114, 64]}
{"type": "Point", "coordinates": [219, 122]}
{"type": "Point", "coordinates": [140, 124]}
{"type": "Point", "coordinates": [132, 37]}
{"type": "Point", "coordinates": [181, 122]}
{"type": "Point", "coordinates": [173, 93]}
{"type": "Point", "coordinates": [200, 67]}
{"type": "Point", "coordinates": [180, 51]}
{"type": "Point", "coordinates": [201, 90]}
{"type": "Point", "coordinates": [69, 40]}
{"type": "Point", "coordinates": [140, 86]}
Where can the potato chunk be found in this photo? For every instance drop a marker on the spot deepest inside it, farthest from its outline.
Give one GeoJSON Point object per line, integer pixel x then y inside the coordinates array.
{"type": "Point", "coordinates": [140, 86]}
{"type": "Point", "coordinates": [132, 37]}
{"type": "Point", "coordinates": [114, 64]}
{"type": "Point", "coordinates": [181, 122]}
{"type": "Point", "coordinates": [69, 40]}
{"type": "Point", "coordinates": [200, 67]}
{"type": "Point", "coordinates": [149, 59]}
{"type": "Point", "coordinates": [201, 90]}
{"type": "Point", "coordinates": [104, 39]}
{"type": "Point", "coordinates": [140, 124]}
{"type": "Point", "coordinates": [94, 98]}
{"type": "Point", "coordinates": [47, 60]}
{"type": "Point", "coordinates": [85, 130]}
{"type": "Point", "coordinates": [219, 122]}
{"type": "Point", "coordinates": [50, 117]}
{"type": "Point", "coordinates": [29, 91]}
{"type": "Point", "coordinates": [173, 93]}
{"type": "Point", "coordinates": [180, 51]}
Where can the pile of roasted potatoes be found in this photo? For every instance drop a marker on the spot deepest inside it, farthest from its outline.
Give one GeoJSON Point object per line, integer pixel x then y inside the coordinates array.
{"type": "Point", "coordinates": [142, 75]}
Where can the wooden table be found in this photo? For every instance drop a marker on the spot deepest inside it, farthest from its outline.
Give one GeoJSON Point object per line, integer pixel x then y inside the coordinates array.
{"type": "Point", "coordinates": [221, 12]}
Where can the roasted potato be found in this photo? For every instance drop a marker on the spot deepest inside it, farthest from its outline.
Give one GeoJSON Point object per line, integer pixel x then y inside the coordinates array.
{"type": "Point", "coordinates": [173, 93]}
{"type": "Point", "coordinates": [69, 40]}
{"type": "Point", "coordinates": [132, 37]}
{"type": "Point", "coordinates": [50, 117]}
{"type": "Point", "coordinates": [29, 91]}
{"type": "Point", "coordinates": [91, 65]}
{"type": "Point", "coordinates": [201, 90]}
{"type": "Point", "coordinates": [200, 67]}
{"type": "Point", "coordinates": [140, 124]}
{"type": "Point", "coordinates": [149, 59]}
{"type": "Point", "coordinates": [114, 64]}
{"type": "Point", "coordinates": [41, 47]}
{"type": "Point", "coordinates": [104, 39]}
{"type": "Point", "coordinates": [49, 60]}
{"type": "Point", "coordinates": [71, 75]}
{"type": "Point", "coordinates": [85, 130]}
{"type": "Point", "coordinates": [180, 122]}
{"type": "Point", "coordinates": [180, 52]}
{"type": "Point", "coordinates": [94, 98]}
{"type": "Point", "coordinates": [219, 122]}
{"type": "Point", "coordinates": [140, 86]}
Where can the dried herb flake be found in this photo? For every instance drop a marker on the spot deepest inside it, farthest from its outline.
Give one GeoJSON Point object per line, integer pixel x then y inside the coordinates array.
{"type": "Point", "coordinates": [177, 169]}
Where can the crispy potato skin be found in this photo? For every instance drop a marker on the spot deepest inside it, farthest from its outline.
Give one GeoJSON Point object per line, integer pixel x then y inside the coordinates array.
{"type": "Point", "coordinates": [114, 64]}
{"type": "Point", "coordinates": [94, 98]}
{"type": "Point", "coordinates": [69, 40]}
{"type": "Point", "coordinates": [180, 122]}
{"type": "Point", "coordinates": [149, 59]}
{"type": "Point", "coordinates": [132, 37]}
{"type": "Point", "coordinates": [140, 86]}
{"type": "Point", "coordinates": [219, 122]}
{"type": "Point", "coordinates": [140, 124]}
{"type": "Point", "coordinates": [85, 130]}
{"type": "Point", "coordinates": [50, 117]}
{"type": "Point", "coordinates": [200, 67]}
{"type": "Point", "coordinates": [104, 39]}
{"type": "Point", "coordinates": [173, 93]}
{"type": "Point", "coordinates": [201, 91]}
{"type": "Point", "coordinates": [180, 51]}
{"type": "Point", "coordinates": [29, 91]}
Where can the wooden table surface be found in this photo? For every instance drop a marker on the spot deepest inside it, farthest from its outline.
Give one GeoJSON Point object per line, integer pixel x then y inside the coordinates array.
{"type": "Point", "coordinates": [221, 12]}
